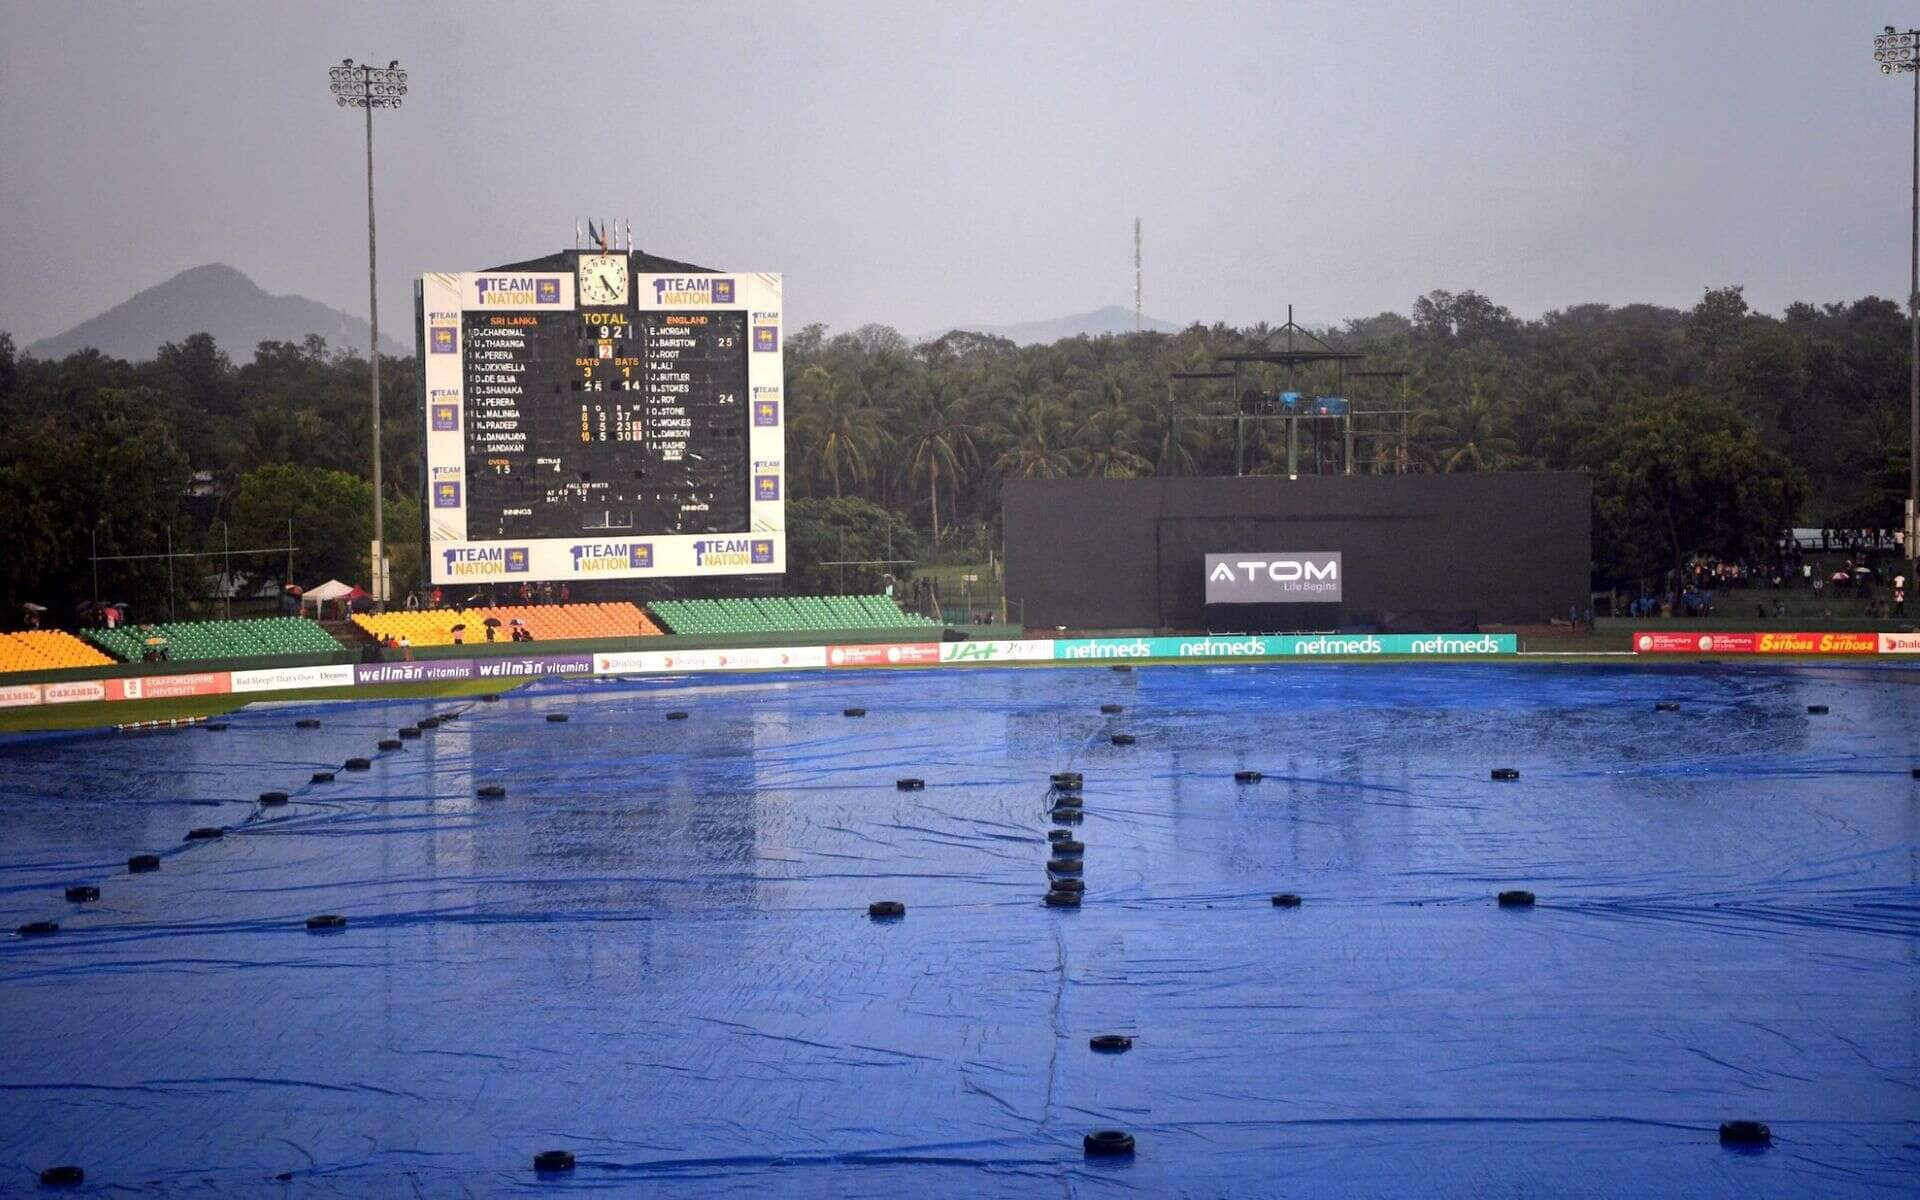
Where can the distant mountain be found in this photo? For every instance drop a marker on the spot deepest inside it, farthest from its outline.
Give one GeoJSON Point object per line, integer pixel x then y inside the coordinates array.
{"type": "Point", "coordinates": [213, 299]}
{"type": "Point", "coordinates": [1111, 319]}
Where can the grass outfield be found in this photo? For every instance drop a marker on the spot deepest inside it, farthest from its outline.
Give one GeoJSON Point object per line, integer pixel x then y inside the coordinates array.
{"type": "Point", "coordinates": [101, 713]}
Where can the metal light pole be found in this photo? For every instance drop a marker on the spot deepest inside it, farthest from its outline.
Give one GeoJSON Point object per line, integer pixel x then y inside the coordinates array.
{"type": "Point", "coordinates": [1898, 52]}
{"type": "Point", "coordinates": [368, 88]}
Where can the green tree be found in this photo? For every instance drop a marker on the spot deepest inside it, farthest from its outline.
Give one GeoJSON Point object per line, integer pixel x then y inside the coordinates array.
{"type": "Point", "coordinates": [1682, 475]}
{"type": "Point", "coordinates": [331, 512]}
{"type": "Point", "coordinates": [842, 530]}
{"type": "Point", "coordinates": [940, 443]}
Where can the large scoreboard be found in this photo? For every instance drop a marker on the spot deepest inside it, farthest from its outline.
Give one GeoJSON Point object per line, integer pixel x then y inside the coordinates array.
{"type": "Point", "coordinates": [593, 421]}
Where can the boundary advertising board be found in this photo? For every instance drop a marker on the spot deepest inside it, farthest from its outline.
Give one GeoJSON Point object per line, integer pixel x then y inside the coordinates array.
{"type": "Point", "coordinates": [1747, 642]}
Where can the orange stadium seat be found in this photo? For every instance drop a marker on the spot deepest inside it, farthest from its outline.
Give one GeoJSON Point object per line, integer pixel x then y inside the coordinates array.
{"type": "Point", "coordinates": [546, 622]}
{"type": "Point", "coordinates": [47, 650]}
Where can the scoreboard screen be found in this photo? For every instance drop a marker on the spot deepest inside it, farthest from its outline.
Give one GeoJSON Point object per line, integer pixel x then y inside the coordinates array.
{"type": "Point", "coordinates": [598, 422]}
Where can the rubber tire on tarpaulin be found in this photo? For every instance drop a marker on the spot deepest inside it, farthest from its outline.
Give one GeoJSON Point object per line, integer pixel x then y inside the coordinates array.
{"type": "Point", "coordinates": [215, 726]}
{"type": "Point", "coordinates": [1517, 898]}
{"type": "Point", "coordinates": [205, 833]}
{"type": "Point", "coordinates": [1123, 739]}
{"type": "Point", "coordinates": [853, 712]}
{"type": "Point", "coordinates": [62, 1177]}
{"type": "Point", "coordinates": [1067, 847]}
{"type": "Point", "coordinates": [80, 893]}
{"type": "Point", "coordinates": [391, 744]}
{"type": "Point", "coordinates": [1061, 898]}
{"type": "Point", "coordinates": [1505, 773]}
{"type": "Point", "coordinates": [358, 764]}
{"type": "Point", "coordinates": [490, 698]}
{"type": "Point", "coordinates": [1286, 900]}
{"type": "Point", "coordinates": [1059, 835]}
{"type": "Point", "coordinates": [1067, 781]}
{"type": "Point", "coordinates": [1745, 1133]}
{"type": "Point", "coordinates": [1110, 709]}
{"type": "Point", "coordinates": [1247, 777]}
{"type": "Point", "coordinates": [326, 922]}
{"type": "Point", "coordinates": [1110, 1043]}
{"type": "Point", "coordinates": [491, 791]}
{"type": "Point", "coordinates": [427, 723]}
{"type": "Point", "coordinates": [556, 718]}
{"type": "Point", "coordinates": [1067, 884]}
{"type": "Point", "coordinates": [1107, 1143]}
{"type": "Point", "coordinates": [886, 909]}
{"type": "Point", "coordinates": [140, 863]}
{"type": "Point", "coordinates": [1666, 706]}
{"type": "Point", "coordinates": [409, 731]}
{"type": "Point", "coordinates": [1066, 815]}
{"type": "Point", "coordinates": [38, 928]}
{"type": "Point", "coordinates": [272, 798]}
{"type": "Point", "coordinates": [1817, 710]}
{"type": "Point", "coordinates": [1069, 801]}
{"type": "Point", "coordinates": [1065, 866]}
{"type": "Point", "coordinates": [909, 785]}
{"type": "Point", "coordinates": [676, 715]}
{"type": "Point", "coordinates": [323, 777]}
{"type": "Point", "coordinates": [548, 1161]}
{"type": "Point", "coordinates": [1121, 667]}
{"type": "Point", "coordinates": [307, 723]}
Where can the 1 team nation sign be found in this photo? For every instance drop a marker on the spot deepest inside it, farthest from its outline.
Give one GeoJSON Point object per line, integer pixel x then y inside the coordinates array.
{"type": "Point", "coordinates": [1756, 643]}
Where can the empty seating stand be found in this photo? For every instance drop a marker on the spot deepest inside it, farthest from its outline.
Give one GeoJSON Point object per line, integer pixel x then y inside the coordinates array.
{"type": "Point", "coordinates": [47, 650]}
{"type": "Point", "coordinates": [785, 614]}
{"type": "Point", "coordinates": [189, 641]}
{"type": "Point", "coordinates": [546, 622]}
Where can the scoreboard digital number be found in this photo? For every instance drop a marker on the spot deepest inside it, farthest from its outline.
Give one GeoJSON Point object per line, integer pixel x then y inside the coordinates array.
{"type": "Point", "coordinates": [601, 422]}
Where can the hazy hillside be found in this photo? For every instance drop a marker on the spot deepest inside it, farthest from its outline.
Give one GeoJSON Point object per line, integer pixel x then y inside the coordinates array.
{"type": "Point", "coordinates": [219, 300]}
{"type": "Point", "coordinates": [1111, 319]}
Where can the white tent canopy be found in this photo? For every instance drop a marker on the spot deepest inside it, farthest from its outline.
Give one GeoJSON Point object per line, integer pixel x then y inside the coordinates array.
{"type": "Point", "coordinates": [332, 589]}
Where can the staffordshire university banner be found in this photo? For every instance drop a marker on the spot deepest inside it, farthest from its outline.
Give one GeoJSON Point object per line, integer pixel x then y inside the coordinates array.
{"type": "Point", "coordinates": [1741, 642]}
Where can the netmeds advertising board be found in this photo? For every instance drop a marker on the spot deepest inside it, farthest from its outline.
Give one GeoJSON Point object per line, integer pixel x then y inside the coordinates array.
{"type": "Point", "coordinates": [1285, 646]}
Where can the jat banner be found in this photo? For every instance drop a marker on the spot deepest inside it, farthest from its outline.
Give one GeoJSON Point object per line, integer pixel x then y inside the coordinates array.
{"type": "Point", "coordinates": [1287, 646]}
{"type": "Point", "coordinates": [988, 652]}
{"type": "Point", "coordinates": [1710, 642]}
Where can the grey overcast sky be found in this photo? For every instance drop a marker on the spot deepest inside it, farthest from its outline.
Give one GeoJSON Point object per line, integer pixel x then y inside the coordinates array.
{"type": "Point", "coordinates": [926, 165]}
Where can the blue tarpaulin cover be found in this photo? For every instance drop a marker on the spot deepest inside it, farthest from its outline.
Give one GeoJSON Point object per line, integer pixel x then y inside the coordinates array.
{"type": "Point", "coordinates": [654, 950]}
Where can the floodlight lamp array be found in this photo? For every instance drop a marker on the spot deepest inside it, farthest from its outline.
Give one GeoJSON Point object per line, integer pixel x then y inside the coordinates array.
{"type": "Point", "coordinates": [1896, 51]}
{"type": "Point", "coordinates": [367, 87]}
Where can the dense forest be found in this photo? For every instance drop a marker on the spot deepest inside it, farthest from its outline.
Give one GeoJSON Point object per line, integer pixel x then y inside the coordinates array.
{"type": "Point", "coordinates": [1707, 432]}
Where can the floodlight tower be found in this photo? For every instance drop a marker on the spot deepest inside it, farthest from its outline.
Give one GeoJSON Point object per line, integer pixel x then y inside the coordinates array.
{"type": "Point", "coordinates": [1899, 53]}
{"type": "Point", "coordinates": [367, 87]}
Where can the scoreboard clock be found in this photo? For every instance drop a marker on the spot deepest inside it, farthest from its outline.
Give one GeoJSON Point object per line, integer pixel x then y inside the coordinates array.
{"type": "Point", "coordinates": [587, 419]}
{"type": "Point", "coordinates": [603, 279]}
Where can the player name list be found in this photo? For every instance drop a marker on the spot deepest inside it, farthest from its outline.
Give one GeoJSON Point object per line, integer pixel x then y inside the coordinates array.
{"type": "Point", "coordinates": [605, 421]}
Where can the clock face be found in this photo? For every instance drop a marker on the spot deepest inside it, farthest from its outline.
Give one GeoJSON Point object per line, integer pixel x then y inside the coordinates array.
{"type": "Point", "coordinates": [603, 279]}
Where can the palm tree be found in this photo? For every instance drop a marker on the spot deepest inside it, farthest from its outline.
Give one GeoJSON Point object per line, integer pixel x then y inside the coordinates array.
{"type": "Point", "coordinates": [1471, 436]}
{"type": "Point", "coordinates": [941, 442]}
{"type": "Point", "coordinates": [1036, 452]}
{"type": "Point", "coordinates": [1106, 445]}
{"type": "Point", "coordinates": [844, 434]}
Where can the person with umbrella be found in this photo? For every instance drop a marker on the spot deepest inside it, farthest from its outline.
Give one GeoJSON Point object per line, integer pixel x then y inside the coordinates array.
{"type": "Point", "coordinates": [459, 633]}
{"type": "Point", "coordinates": [31, 615]}
{"type": "Point", "coordinates": [492, 623]}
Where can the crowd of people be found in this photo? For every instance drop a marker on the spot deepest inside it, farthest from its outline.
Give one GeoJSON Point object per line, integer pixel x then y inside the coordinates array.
{"type": "Point", "coordinates": [545, 592]}
{"type": "Point", "coordinates": [1870, 570]}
